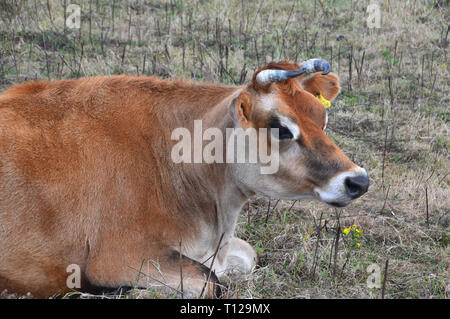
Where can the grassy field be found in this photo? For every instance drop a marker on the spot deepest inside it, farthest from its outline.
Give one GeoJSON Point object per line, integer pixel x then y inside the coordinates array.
{"type": "Point", "coordinates": [391, 117]}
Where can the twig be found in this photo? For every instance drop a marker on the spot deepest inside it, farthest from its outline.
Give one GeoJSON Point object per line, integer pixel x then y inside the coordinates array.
{"type": "Point", "coordinates": [426, 201]}
{"type": "Point", "coordinates": [350, 58]}
{"type": "Point", "coordinates": [248, 212]}
{"type": "Point", "coordinates": [217, 63]}
{"type": "Point", "coordinates": [268, 209]}
{"type": "Point", "coordinates": [384, 155]}
{"type": "Point", "coordinates": [318, 228]}
{"type": "Point", "coordinates": [289, 18]}
{"type": "Point", "coordinates": [211, 267]}
{"type": "Point", "coordinates": [81, 59]}
{"type": "Point", "coordinates": [336, 243]}
{"type": "Point", "coordinates": [181, 272]}
{"type": "Point", "coordinates": [289, 210]}
{"type": "Point", "coordinates": [440, 181]}
{"type": "Point", "coordinates": [158, 281]}
{"type": "Point", "coordinates": [384, 279]}
{"type": "Point", "coordinates": [243, 74]}
{"type": "Point", "coordinates": [390, 91]}
{"type": "Point", "coordinates": [256, 15]}
{"type": "Point", "coordinates": [385, 198]}
{"type": "Point", "coordinates": [206, 260]}
{"type": "Point", "coordinates": [269, 213]}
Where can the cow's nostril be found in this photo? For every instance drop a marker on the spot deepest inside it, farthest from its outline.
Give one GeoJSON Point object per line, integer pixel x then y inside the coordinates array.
{"type": "Point", "coordinates": [357, 185]}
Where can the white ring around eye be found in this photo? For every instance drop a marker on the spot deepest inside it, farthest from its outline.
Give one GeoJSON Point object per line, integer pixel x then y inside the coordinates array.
{"type": "Point", "coordinates": [291, 125]}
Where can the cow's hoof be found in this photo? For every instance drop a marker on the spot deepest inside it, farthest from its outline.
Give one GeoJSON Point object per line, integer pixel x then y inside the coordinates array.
{"type": "Point", "coordinates": [241, 258]}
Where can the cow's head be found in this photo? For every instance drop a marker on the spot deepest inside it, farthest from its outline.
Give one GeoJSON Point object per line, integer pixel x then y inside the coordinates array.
{"type": "Point", "coordinates": [285, 96]}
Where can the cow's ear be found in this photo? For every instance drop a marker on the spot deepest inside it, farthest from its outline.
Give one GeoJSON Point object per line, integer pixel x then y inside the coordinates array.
{"type": "Point", "coordinates": [243, 108]}
{"type": "Point", "coordinates": [327, 85]}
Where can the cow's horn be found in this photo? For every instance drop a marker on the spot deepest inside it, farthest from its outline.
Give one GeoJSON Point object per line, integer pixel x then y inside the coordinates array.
{"type": "Point", "coordinates": [309, 66]}
{"type": "Point", "coordinates": [316, 65]}
{"type": "Point", "coordinates": [269, 76]}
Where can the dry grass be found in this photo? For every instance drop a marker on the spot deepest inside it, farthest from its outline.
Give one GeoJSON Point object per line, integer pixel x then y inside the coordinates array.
{"type": "Point", "coordinates": [392, 117]}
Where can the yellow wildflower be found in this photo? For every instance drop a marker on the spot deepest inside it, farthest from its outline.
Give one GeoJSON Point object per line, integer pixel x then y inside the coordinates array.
{"type": "Point", "coordinates": [346, 230]}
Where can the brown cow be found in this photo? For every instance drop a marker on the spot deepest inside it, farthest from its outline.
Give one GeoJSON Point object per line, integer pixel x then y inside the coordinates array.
{"type": "Point", "coordinates": [87, 178]}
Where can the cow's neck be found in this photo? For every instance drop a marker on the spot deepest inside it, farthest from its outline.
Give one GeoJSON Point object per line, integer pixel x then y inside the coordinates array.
{"type": "Point", "coordinates": [230, 194]}
{"type": "Point", "coordinates": [226, 194]}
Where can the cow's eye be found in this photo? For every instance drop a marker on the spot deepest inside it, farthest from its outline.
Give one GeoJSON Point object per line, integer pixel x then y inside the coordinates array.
{"type": "Point", "coordinates": [283, 132]}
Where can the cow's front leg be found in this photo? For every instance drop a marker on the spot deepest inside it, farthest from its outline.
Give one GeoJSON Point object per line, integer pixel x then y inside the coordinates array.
{"type": "Point", "coordinates": [163, 271]}
{"type": "Point", "coordinates": [240, 258]}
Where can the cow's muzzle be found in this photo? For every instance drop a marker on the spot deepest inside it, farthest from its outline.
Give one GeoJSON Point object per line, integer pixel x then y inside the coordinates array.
{"type": "Point", "coordinates": [344, 187]}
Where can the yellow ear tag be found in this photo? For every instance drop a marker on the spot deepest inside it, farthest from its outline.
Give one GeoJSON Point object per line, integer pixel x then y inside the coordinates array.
{"type": "Point", "coordinates": [323, 100]}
